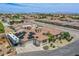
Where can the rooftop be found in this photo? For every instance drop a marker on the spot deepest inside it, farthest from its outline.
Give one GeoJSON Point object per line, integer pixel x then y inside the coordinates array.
{"type": "Point", "coordinates": [39, 33]}
{"type": "Point", "coordinates": [46, 30]}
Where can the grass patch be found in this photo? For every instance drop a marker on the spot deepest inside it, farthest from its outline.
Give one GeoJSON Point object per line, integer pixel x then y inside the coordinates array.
{"type": "Point", "coordinates": [1, 28]}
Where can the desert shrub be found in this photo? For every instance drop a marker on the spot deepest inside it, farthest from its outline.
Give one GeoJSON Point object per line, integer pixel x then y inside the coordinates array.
{"type": "Point", "coordinates": [53, 46]}
{"type": "Point", "coordinates": [45, 47]}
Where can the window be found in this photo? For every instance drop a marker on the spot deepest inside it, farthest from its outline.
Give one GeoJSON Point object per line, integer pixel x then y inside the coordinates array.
{"type": "Point", "coordinates": [44, 41]}
{"type": "Point", "coordinates": [36, 36]}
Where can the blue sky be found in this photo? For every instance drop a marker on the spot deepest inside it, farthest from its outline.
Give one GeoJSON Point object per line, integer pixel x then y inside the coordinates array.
{"type": "Point", "coordinates": [39, 7]}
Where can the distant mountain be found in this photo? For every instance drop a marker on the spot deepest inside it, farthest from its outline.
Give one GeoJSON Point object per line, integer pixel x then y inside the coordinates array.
{"type": "Point", "coordinates": [39, 7]}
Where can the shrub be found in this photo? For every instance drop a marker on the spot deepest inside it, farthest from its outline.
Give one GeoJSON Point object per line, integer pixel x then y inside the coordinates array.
{"type": "Point", "coordinates": [53, 46]}
{"type": "Point", "coordinates": [70, 39]}
{"type": "Point", "coordinates": [45, 47]}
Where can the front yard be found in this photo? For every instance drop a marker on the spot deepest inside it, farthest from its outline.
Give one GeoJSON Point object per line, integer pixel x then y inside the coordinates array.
{"type": "Point", "coordinates": [53, 43]}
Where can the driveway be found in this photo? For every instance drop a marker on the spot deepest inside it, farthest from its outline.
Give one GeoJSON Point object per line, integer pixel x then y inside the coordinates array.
{"type": "Point", "coordinates": [27, 47]}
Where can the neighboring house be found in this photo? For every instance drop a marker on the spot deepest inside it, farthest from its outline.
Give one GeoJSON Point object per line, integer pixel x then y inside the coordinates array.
{"type": "Point", "coordinates": [29, 26]}
{"type": "Point", "coordinates": [6, 21]}
{"type": "Point", "coordinates": [12, 21]}
{"type": "Point", "coordinates": [6, 24]}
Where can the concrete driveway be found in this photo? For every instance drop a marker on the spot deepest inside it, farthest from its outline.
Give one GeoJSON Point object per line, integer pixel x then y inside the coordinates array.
{"type": "Point", "coordinates": [27, 47]}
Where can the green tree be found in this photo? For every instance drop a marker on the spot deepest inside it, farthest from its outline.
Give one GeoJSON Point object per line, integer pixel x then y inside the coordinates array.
{"type": "Point", "coordinates": [51, 38]}
{"type": "Point", "coordinates": [1, 28]}
{"type": "Point", "coordinates": [65, 35]}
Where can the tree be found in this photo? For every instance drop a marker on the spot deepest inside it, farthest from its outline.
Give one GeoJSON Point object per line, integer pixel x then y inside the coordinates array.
{"type": "Point", "coordinates": [51, 38]}
{"type": "Point", "coordinates": [1, 28]}
{"type": "Point", "coordinates": [65, 35]}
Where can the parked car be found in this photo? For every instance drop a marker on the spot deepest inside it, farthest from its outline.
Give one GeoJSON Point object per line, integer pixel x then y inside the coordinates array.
{"type": "Point", "coordinates": [20, 34]}
{"type": "Point", "coordinates": [30, 35]}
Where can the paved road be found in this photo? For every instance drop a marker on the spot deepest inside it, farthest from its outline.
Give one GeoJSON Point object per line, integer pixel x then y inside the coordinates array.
{"type": "Point", "coordinates": [58, 27]}
{"type": "Point", "coordinates": [68, 50]}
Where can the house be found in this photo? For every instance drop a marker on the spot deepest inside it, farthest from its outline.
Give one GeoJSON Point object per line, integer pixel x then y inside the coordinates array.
{"type": "Point", "coordinates": [29, 26]}
{"type": "Point", "coordinates": [16, 21]}
{"type": "Point", "coordinates": [41, 38]}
